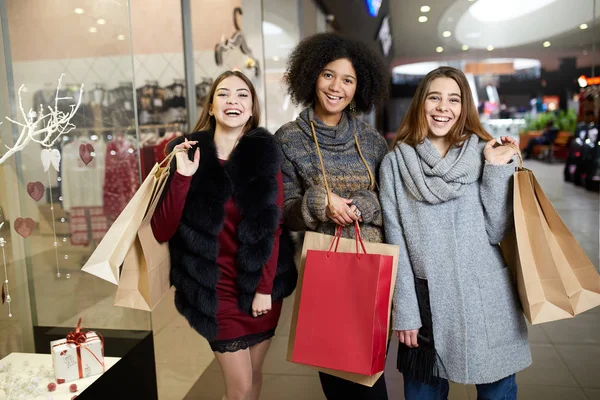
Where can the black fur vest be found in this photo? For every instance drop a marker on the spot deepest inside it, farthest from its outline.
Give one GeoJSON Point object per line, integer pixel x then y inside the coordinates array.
{"type": "Point", "coordinates": [250, 177]}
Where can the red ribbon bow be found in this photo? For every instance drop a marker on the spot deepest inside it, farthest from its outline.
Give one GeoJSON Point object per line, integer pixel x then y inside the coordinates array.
{"type": "Point", "coordinates": [77, 337]}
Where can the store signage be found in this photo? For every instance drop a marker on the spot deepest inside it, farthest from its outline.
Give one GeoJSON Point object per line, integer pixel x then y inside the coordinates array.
{"type": "Point", "coordinates": [374, 6]}
{"type": "Point", "coordinates": [551, 102]}
{"type": "Point", "coordinates": [489, 68]}
{"type": "Point", "coordinates": [585, 81]}
{"type": "Point", "coordinates": [385, 36]}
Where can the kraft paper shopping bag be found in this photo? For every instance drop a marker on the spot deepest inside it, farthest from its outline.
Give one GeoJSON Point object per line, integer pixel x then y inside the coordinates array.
{"type": "Point", "coordinates": [555, 278]}
{"type": "Point", "coordinates": [145, 274]}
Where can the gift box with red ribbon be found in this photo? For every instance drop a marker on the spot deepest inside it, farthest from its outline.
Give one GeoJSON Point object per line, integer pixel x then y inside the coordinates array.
{"type": "Point", "coordinates": [78, 356]}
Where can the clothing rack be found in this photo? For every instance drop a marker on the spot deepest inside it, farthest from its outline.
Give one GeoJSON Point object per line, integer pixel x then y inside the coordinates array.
{"type": "Point", "coordinates": [131, 128]}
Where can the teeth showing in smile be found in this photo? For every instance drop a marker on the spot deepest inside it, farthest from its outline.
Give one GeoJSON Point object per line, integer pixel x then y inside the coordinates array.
{"type": "Point", "coordinates": [441, 119]}
{"type": "Point", "coordinates": [333, 97]}
{"type": "Point", "coordinates": [232, 112]}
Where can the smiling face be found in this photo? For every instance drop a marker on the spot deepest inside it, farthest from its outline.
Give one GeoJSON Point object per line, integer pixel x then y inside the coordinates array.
{"type": "Point", "coordinates": [335, 89]}
{"type": "Point", "coordinates": [443, 105]}
{"type": "Point", "coordinates": [232, 103]}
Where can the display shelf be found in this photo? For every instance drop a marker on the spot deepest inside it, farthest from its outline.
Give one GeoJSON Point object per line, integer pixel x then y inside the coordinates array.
{"type": "Point", "coordinates": [26, 366]}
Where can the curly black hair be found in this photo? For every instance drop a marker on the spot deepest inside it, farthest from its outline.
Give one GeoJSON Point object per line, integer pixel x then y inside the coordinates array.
{"type": "Point", "coordinates": [312, 54]}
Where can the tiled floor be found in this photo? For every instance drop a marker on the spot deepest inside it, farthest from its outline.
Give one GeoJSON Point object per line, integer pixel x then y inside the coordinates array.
{"type": "Point", "coordinates": [566, 353]}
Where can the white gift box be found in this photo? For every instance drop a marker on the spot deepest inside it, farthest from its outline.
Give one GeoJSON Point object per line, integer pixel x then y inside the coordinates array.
{"type": "Point", "coordinates": [74, 361]}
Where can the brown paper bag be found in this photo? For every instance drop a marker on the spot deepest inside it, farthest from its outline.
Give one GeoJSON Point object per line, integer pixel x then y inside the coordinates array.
{"type": "Point", "coordinates": [555, 278]}
{"type": "Point", "coordinates": [110, 252]}
{"type": "Point", "coordinates": [319, 241]}
{"type": "Point", "coordinates": [145, 273]}
{"type": "Point", "coordinates": [112, 249]}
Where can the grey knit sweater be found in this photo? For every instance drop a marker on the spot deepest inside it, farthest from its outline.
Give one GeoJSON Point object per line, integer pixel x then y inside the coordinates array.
{"type": "Point", "coordinates": [448, 216]}
{"type": "Point", "coordinates": [305, 194]}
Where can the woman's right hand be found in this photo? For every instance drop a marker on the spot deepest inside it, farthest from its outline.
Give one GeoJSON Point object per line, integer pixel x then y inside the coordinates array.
{"type": "Point", "coordinates": [345, 212]}
{"type": "Point", "coordinates": [184, 166]}
{"type": "Point", "coordinates": [409, 338]}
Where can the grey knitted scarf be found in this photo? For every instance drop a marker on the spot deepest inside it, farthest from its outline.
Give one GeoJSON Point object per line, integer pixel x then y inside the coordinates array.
{"type": "Point", "coordinates": [338, 138]}
{"type": "Point", "coordinates": [435, 179]}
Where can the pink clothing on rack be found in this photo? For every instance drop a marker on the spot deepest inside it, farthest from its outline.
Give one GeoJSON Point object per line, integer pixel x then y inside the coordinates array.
{"type": "Point", "coordinates": [121, 179]}
{"type": "Point", "coordinates": [78, 226]}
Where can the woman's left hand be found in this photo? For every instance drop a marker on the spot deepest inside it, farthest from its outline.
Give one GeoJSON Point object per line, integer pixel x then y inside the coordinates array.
{"type": "Point", "coordinates": [261, 304]}
{"type": "Point", "coordinates": [500, 155]}
{"type": "Point", "coordinates": [354, 210]}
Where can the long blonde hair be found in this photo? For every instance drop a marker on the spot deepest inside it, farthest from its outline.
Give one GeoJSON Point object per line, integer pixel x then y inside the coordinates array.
{"type": "Point", "coordinates": [414, 128]}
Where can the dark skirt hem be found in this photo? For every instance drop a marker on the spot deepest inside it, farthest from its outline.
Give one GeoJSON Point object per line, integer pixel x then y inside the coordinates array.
{"type": "Point", "coordinates": [241, 343]}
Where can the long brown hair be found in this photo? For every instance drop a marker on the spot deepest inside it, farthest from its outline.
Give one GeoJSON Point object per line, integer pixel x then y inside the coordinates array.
{"type": "Point", "coordinates": [208, 122]}
{"type": "Point", "coordinates": [414, 128]}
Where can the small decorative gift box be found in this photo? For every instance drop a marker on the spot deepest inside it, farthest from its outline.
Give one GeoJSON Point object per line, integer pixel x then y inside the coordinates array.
{"type": "Point", "coordinates": [78, 356]}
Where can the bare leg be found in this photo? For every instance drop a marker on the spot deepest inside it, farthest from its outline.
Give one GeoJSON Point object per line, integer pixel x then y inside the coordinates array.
{"type": "Point", "coordinates": [237, 372]}
{"type": "Point", "coordinates": [257, 356]}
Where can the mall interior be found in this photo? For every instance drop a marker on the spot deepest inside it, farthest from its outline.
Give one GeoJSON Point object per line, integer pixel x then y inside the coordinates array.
{"type": "Point", "coordinates": [137, 73]}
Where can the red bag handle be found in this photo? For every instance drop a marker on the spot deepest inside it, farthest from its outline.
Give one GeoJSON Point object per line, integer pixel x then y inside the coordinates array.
{"type": "Point", "coordinates": [336, 239]}
{"type": "Point", "coordinates": [358, 238]}
{"type": "Point", "coordinates": [338, 236]}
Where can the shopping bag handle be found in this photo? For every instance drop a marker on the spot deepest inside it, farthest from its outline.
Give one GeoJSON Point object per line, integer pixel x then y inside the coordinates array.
{"type": "Point", "coordinates": [330, 207]}
{"type": "Point", "coordinates": [166, 163]}
{"type": "Point", "coordinates": [338, 235]}
{"type": "Point", "coordinates": [517, 150]}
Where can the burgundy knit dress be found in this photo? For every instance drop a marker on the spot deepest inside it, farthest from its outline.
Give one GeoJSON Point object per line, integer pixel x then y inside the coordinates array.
{"type": "Point", "coordinates": [236, 329]}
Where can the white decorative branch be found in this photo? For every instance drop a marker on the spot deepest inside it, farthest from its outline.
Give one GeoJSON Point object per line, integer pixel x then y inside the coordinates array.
{"type": "Point", "coordinates": [47, 128]}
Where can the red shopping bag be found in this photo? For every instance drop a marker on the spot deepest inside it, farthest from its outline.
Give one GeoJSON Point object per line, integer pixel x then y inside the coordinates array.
{"type": "Point", "coordinates": [343, 315]}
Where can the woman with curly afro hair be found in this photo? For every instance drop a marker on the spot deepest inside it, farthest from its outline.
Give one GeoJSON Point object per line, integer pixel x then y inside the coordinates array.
{"type": "Point", "coordinates": [334, 78]}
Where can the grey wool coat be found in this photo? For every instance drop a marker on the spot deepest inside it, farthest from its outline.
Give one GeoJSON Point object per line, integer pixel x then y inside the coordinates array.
{"type": "Point", "coordinates": [448, 216]}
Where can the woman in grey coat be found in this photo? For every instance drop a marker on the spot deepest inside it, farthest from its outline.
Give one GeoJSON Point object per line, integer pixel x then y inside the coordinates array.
{"type": "Point", "coordinates": [445, 192]}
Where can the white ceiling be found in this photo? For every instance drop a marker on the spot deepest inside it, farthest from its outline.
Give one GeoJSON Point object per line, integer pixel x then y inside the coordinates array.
{"type": "Point", "coordinates": [422, 68]}
{"type": "Point", "coordinates": [515, 28]}
{"type": "Point", "coordinates": [281, 32]}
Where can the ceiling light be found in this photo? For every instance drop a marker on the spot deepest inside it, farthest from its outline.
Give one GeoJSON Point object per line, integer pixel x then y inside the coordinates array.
{"type": "Point", "coordinates": [79, 11]}
{"type": "Point", "coordinates": [495, 11]}
{"type": "Point", "coordinates": [546, 44]}
{"type": "Point", "coordinates": [447, 34]}
{"type": "Point", "coordinates": [473, 35]}
{"type": "Point", "coordinates": [101, 21]}
{"type": "Point", "coordinates": [121, 37]}
{"type": "Point", "coordinates": [275, 58]}
{"type": "Point", "coordinates": [422, 18]}
{"type": "Point", "coordinates": [439, 49]}
{"type": "Point", "coordinates": [93, 29]}
{"type": "Point", "coordinates": [425, 9]}
{"type": "Point", "coordinates": [583, 26]}
{"type": "Point", "coordinates": [465, 47]}
{"type": "Point", "coordinates": [582, 81]}
{"type": "Point", "coordinates": [270, 29]}
{"type": "Point", "coordinates": [490, 48]}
